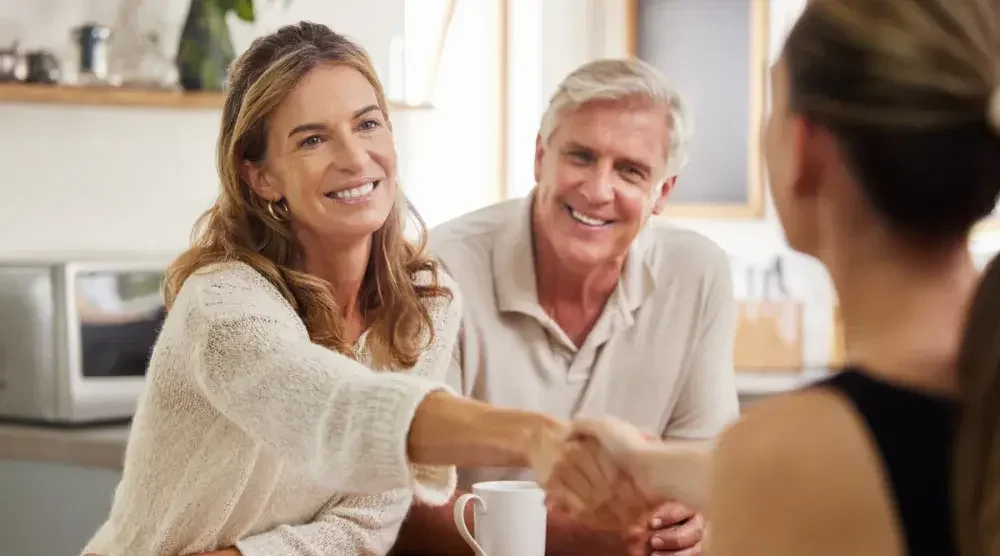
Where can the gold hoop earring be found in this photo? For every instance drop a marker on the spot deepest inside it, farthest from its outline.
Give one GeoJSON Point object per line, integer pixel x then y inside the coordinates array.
{"type": "Point", "coordinates": [280, 213]}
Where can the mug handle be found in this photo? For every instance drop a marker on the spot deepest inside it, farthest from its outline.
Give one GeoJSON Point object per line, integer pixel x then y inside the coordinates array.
{"type": "Point", "coordinates": [459, 516]}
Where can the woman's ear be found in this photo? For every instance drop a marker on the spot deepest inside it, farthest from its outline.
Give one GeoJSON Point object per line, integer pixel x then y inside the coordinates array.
{"type": "Point", "coordinates": [815, 152]}
{"type": "Point", "coordinates": [259, 181]}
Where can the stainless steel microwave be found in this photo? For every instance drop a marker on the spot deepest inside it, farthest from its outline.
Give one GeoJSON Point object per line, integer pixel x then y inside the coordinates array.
{"type": "Point", "coordinates": [76, 337]}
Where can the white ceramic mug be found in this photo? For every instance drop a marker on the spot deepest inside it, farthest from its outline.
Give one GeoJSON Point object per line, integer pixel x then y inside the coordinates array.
{"type": "Point", "coordinates": [509, 518]}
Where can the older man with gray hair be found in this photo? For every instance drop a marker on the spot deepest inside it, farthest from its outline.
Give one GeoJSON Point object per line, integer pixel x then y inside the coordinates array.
{"type": "Point", "coordinates": [578, 304]}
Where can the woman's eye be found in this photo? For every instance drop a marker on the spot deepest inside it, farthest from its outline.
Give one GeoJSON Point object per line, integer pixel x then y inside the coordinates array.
{"type": "Point", "coordinates": [369, 125]}
{"type": "Point", "coordinates": [311, 141]}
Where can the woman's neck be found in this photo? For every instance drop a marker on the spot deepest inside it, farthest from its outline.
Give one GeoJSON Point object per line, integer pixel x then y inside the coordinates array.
{"type": "Point", "coordinates": [903, 316]}
{"type": "Point", "coordinates": [343, 265]}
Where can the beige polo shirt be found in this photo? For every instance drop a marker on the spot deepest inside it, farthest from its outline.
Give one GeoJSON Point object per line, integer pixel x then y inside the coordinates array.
{"type": "Point", "coordinates": [660, 355]}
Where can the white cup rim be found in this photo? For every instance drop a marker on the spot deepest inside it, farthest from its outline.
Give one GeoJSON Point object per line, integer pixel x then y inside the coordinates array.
{"type": "Point", "coordinates": [506, 486]}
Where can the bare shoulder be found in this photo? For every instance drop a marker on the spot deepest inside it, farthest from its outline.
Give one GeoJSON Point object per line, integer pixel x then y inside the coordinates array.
{"type": "Point", "coordinates": [799, 474]}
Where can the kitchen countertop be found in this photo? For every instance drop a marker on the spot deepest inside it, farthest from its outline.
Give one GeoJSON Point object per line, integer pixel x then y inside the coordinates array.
{"type": "Point", "coordinates": [94, 446]}
{"type": "Point", "coordinates": [769, 382]}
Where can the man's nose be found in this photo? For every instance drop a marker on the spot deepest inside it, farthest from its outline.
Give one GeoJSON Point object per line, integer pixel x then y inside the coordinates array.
{"type": "Point", "coordinates": [598, 188]}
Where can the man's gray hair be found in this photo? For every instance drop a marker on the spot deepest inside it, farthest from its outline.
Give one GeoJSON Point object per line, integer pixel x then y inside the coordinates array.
{"type": "Point", "coordinates": [619, 79]}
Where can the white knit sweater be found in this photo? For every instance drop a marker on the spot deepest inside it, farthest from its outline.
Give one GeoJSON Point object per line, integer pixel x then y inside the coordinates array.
{"type": "Point", "coordinates": [249, 434]}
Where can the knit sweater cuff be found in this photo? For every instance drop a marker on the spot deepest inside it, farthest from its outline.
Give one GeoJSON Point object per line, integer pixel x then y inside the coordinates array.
{"type": "Point", "coordinates": [430, 484]}
{"type": "Point", "coordinates": [434, 485]}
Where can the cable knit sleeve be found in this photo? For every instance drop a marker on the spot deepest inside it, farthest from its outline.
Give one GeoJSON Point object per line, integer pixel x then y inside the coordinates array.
{"type": "Point", "coordinates": [322, 411]}
{"type": "Point", "coordinates": [368, 524]}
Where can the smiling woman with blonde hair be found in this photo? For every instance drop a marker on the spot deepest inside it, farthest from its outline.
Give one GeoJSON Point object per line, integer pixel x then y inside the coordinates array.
{"type": "Point", "coordinates": [293, 403]}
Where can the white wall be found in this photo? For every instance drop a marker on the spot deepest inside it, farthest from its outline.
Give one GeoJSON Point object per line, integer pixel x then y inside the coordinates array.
{"type": "Point", "coordinates": [116, 179]}
{"type": "Point", "coordinates": [454, 153]}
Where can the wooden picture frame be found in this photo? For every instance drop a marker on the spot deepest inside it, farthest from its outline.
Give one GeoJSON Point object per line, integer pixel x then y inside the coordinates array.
{"type": "Point", "coordinates": [689, 199]}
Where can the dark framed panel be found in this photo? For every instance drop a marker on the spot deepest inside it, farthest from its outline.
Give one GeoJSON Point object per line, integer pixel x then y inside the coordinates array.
{"type": "Point", "coordinates": [715, 52]}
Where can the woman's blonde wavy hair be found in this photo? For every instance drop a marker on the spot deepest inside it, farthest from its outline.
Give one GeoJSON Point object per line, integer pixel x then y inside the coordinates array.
{"type": "Point", "coordinates": [241, 227]}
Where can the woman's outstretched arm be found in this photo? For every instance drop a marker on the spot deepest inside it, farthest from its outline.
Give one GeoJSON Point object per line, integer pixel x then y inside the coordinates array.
{"type": "Point", "coordinates": [352, 429]}
{"type": "Point", "coordinates": [679, 471]}
{"type": "Point", "coordinates": [796, 475]}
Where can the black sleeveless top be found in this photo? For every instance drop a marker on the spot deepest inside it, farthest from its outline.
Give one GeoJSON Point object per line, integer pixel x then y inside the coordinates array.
{"type": "Point", "coordinates": [914, 432]}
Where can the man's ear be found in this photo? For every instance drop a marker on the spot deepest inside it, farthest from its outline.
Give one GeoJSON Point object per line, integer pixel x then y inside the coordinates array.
{"type": "Point", "coordinates": [259, 181]}
{"type": "Point", "coordinates": [661, 200]}
{"type": "Point", "coordinates": [539, 152]}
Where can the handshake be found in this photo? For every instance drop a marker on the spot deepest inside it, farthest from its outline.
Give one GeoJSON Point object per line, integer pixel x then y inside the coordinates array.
{"type": "Point", "coordinates": [611, 476]}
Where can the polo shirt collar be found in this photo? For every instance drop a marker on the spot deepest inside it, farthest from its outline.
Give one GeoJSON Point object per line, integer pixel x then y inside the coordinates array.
{"type": "Point", "coordinates": [516, 285]}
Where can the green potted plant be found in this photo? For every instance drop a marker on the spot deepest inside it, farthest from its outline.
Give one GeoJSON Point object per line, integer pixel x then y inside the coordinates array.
{"type": "Point", "coordinates": [206, 49]}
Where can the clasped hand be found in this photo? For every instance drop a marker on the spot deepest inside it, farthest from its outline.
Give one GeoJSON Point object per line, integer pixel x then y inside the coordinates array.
{"type": "Point", "coordinates": [586, 470]}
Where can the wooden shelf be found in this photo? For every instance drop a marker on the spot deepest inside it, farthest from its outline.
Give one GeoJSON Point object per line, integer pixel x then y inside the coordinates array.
{"type": "Point", "coordinates": [124, 97]}
{"type": "Point", "coordinates": [107, 96]}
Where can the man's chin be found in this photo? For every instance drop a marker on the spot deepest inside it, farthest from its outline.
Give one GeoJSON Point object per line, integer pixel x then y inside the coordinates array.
{"type": "Point", "coordinates": [584, 258]}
